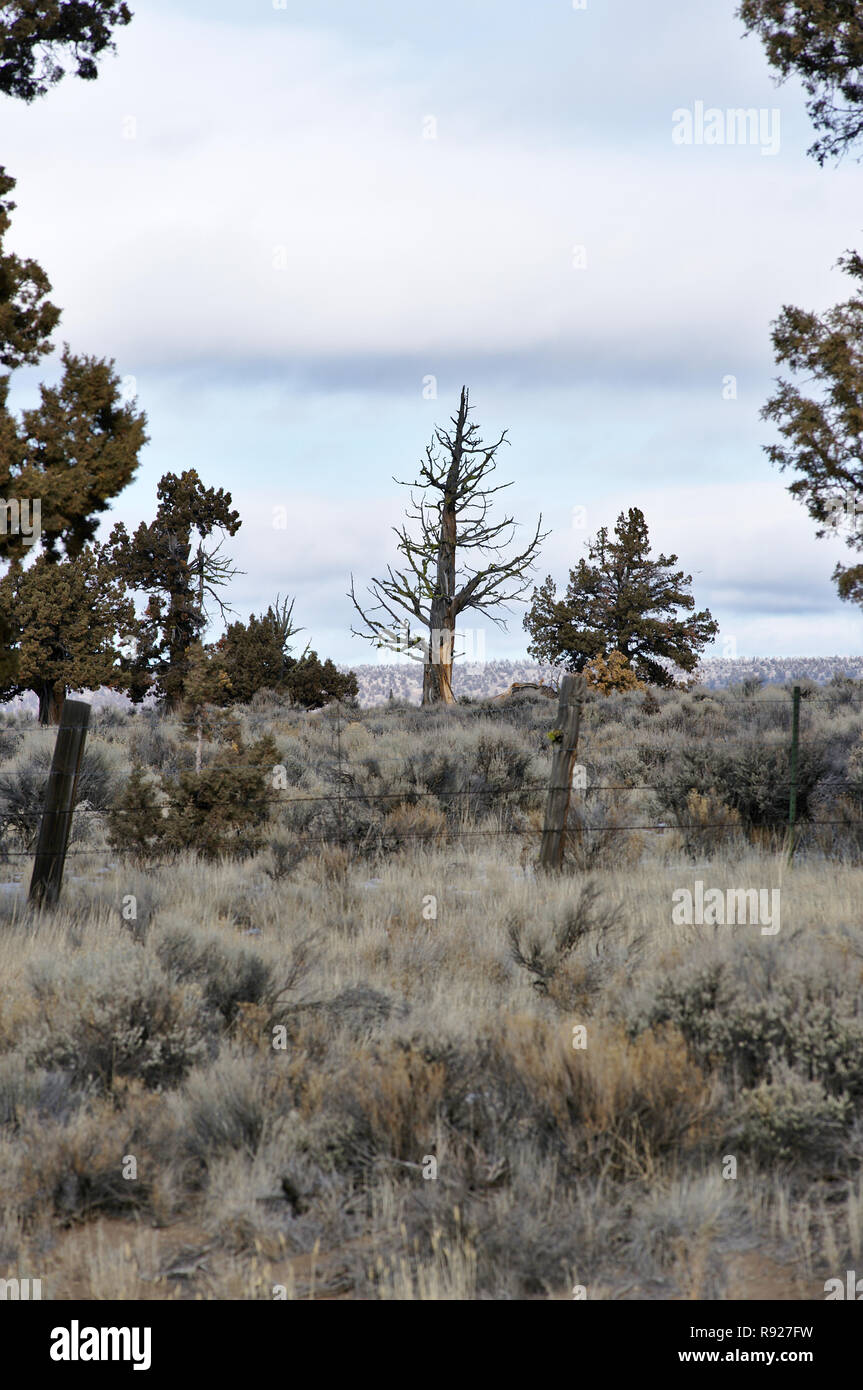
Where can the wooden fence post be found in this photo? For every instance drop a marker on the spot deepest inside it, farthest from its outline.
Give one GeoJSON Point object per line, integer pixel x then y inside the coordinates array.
{"type": "Point", "coordinates": [792, 791]}
{"type": "Point", "coordinates": [572, 692]}
{"type": "Point", "coordinates": [59, 804]}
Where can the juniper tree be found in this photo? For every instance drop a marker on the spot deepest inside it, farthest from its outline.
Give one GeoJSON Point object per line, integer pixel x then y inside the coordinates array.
{"type": "Point", "coordinates": [78, 448]}
{"type": "Point", "coordinates": [169, 561]}
{"type": "Point", "coordinates": [620, 599]}
{"type": "Point", "coordinates": [821, 42]}
{"type": "Point", "coordinates": [27, 317]}
{"type": "Point", "coordinates": [69, 456]}
{"type": "Point", "coordinates": [256, 656]}
{"type": "Point", "coordinates": [822, 427]}
{"type": "Point", "coordinates": [73, 616]}
{"type": "Point", "coordinates": [36, 34]}
{"type": "Point", "coordinates": [451, 506]}
{"type": "Point", "coordinates": [206, 683]}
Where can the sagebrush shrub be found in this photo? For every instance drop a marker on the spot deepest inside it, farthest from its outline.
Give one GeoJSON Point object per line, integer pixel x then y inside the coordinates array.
{"type": "Point", "coordinates": [791, 1119]}
{"type": "Point", "coordinates": [750, 778]}
{"type": "Point", "coordinates": [227, 975]}
{"type": "Point", "coordinates": [23, 787]}
{"type": "Point", "coordinates": [151, 744]}
{"type": "Point", "coordinates": [115, 1013]}
{"type": "Point", "coordinates": [801, 1023]}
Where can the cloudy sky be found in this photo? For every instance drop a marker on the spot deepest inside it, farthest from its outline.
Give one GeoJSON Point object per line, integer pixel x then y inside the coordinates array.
{"type": "Point", "coordinates": [282, 219]}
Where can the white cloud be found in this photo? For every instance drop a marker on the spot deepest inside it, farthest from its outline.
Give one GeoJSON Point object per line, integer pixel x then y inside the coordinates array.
{"type": "Point", "coordinates": [253, 146]}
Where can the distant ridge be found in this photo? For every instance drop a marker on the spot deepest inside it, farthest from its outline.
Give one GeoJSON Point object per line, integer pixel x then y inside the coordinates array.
{"type": "Point", "coordinates": [479, 680]}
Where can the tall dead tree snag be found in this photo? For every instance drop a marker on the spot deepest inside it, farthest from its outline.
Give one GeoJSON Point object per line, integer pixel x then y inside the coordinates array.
{"type": "Point", "coordinates": [572, 693]}
{"type": "Point", "coordinates": [450, 506]}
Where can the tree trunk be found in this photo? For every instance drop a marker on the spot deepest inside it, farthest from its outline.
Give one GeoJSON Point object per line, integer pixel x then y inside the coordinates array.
{"type": "Point", "coordinates": [437, 683]}
{"type": "Point", "coordinates": [437, 675]}
{"type": "Point", "coordinates": [437, 671]}
{"type": "Point", "coordinates": [50, 703]}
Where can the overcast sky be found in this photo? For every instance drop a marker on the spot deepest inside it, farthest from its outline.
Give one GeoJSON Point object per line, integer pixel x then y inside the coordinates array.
{"type": "Point", "coordinates": [280, 222]}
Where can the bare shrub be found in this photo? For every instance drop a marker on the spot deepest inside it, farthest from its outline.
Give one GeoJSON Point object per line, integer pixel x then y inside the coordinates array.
{"type": "Point", "coordinates": [115, 1013]}
{"type": "Point", "coordinates": [227, 975]}
{"type": "Point", "coordinates": [542, 947]}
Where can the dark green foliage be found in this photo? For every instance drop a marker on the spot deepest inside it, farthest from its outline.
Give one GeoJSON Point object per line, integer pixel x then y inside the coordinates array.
{"type": "Point", "coordinates": [256, 657]}
{"type": "Point", "coordinates": [820, 426]}
{"type": "Point", "coordinates": [73, 615]}
{"type": "Point", "coordinates": [27, 319]}
{"type": "Point", "coordinates": [75, 451]}
{"type": "Point", "coordinates": [72, 454]}
{"type": "Point", "coordinates": [36, 34]}
{"type": "Point", "coordinates": [135, 821]}
{"type": "Point", "coordinates": [220, 810]}
{"type": "Point", "coordinates": [621, 599]}
{"type": "Point", "coordinates": [312, 683]}
{"type": "Point", "coordinates": [820, 42]}
{"type": "Point", "coordinates": [166, 561]}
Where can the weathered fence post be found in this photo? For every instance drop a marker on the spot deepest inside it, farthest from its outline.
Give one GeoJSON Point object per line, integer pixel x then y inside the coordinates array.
{"type": "Point", "coordinates": [792, 793]}
{"type": "Point", "coordinates": [572, 692]}
{"type": "Point", "coordinates": [59, 804]}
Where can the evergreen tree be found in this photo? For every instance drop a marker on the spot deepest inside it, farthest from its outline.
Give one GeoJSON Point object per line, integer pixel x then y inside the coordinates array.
{"type": "Point", "coordinates": [620, 599]}
{"type": "Point", "coordinates": [313, 683]}
{"type": "Point", "coordinates": [72, 618]}
{"type": "Point", "coordinates": [27, 318]}
{"type": "Point", "coordinates": [821, 42]}
{"type": "Point", "coordinates": [61, 463]}
{"type": "Point", "coordinates": [167, 559]}
{"type": "Point", "coordinates": [80, 446]}
{"type": "Point", "coordinates": [206, 684]}
{"type": "Point", "coordinates": [256, 655]}
{"type": "Point", "coordinates": [36, 34]}
{"type": "Point", "coordinates": [822, 428]}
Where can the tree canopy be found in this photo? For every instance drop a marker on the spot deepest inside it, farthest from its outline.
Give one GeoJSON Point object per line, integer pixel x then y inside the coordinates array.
{"type": "Point", "coordinates": [620, 600]}
{"type": "Point", "coordinates": [821, 426]}
{"type": "Point", "coordinates": [37, 37]}
{"type": "Point", "coordinates": [821, 42]}
{"type": "Point", "coordinates": [73, 616]}
{"type": "Point", "coordinates": [167, 560]}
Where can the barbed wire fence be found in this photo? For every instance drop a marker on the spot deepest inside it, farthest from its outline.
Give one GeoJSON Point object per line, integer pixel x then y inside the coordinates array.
{"type": "Point", "coordinates": [60, 817]}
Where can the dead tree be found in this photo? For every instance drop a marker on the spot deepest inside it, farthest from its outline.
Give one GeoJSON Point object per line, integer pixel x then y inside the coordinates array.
{"type": "Point", "coordinates": [450, 502]}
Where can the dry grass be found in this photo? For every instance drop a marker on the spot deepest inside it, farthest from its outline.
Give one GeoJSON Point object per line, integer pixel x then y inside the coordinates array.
{"type": "Point", "coordinates": [408, 1066]}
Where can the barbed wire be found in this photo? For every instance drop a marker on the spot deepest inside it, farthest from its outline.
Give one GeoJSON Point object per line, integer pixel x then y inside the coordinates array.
{"type": "Point", "coordinates": [371, 833]}
{"type": "Point", "coordinates": [408, 796]}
